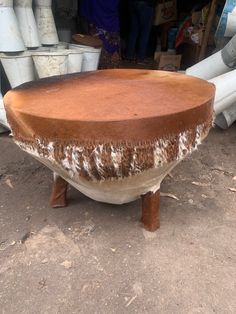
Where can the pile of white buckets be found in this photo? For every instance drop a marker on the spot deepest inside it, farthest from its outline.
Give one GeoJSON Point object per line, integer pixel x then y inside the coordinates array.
{"type": "Point", "coordinates": [44, 62]}
{"type": "Point", "coordinates": [30, 48]}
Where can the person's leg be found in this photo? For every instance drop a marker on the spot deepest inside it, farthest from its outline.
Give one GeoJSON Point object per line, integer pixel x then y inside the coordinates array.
{"type": "Point", "coordinates": [145, 18]}
{"type": "Point", "coordinates": [134, 31]}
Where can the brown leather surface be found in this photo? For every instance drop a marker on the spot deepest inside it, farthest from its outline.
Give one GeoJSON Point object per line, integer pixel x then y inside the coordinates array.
{"type": "Point", "coordinates": [87, 40]}
{"type": "Point", "coordinates": [111, 105]}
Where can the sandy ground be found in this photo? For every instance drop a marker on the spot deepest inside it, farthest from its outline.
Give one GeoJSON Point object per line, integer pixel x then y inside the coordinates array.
{"type": "Point", "coordinates": [95, 258]}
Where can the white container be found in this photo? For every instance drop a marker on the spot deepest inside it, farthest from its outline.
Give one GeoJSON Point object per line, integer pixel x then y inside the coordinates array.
{"type": "Point", "coordinates": [91, 57]}
{"type": "Point", "coordinates": [27, 23]}
{"type": "Point", "coordinates": [91, 60]}
{"type": "Point", "coordinates": [45, 22]}
{"type": "Point", "coordinates": [50, 63]}
{"type": "Point", "coordinates": [19, 68]}
{"type": "Point", "coordinates": [10, 36]}
{"type": "Point", "coordinates": [75, 59]}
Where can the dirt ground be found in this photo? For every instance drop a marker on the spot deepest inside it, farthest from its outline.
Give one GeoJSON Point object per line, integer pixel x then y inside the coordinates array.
{"type": "Point", "coordinates": [95, 258]}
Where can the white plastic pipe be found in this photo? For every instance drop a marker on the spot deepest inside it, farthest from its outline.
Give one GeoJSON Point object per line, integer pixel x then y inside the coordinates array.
{"type": "Point", "coordinates": [45, 22]}
{"type": "Point", "coordinates": [10, 36]}
{"type": "Point", "coordinates": [221, 62]}
{"type": "Point", "coordinates": [19, 68]}
{"type": "Point", "coordinates": [226, 118]}
{"type": "Point", "coordinates": [225, 91]}
{"type": "Point", "coordinates": [27, 23]}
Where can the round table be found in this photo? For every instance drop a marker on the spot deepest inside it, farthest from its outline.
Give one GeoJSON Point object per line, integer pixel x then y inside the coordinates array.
{"type": "Point", "coordinates": [112, 134]}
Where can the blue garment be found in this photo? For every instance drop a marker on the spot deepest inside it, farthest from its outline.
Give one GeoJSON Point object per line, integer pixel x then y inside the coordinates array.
{"type": "Point", "coordinates": [102, 13]}
{"type": "Point", "coordinates": [141, 14]}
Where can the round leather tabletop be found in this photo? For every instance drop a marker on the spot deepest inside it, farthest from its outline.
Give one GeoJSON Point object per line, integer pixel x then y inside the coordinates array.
{"type": "Point", "coordinates": [108, 105]}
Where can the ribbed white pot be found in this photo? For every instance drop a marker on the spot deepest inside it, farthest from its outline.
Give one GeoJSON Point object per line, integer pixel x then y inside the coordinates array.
{"type": "Point", "coordinates": [19, 68]}
{"type": "Point", "coordinates": [10, 36]}
{"type": "Point", "coordinates": [51, 63]}
{"type": "Point", "coordinates": [91, 57]}
{"type": "Point", "coordinates": [45, 22]}
{"type": "Point", "coordinates": [27, 23]}
{"type": "Point", "coordinates": [75, 59]}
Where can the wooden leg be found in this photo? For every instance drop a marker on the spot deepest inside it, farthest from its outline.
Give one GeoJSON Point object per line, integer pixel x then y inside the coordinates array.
{"type": "Point", "coordinates": [58, 196]}
{"type": "Point", "coordinates": [150, 211]}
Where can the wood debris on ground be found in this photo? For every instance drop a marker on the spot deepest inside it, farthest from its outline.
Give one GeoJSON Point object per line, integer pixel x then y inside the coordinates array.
{"type": "Point", "coordinates": [8, 183]}
{"type": "Point", "coordinates": [131, 300]}
{"type": "Point", "coordinates": [202, 184]}
{"type": "Point", "coordinates": [170, 196]}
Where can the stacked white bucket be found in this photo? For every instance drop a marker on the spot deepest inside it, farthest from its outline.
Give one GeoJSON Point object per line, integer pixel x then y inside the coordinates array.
{"type": "Point", "coordinates": [30, 48]}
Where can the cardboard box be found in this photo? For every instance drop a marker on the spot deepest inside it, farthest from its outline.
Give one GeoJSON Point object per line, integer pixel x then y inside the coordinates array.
{"type": "Point", "coordinates": [165, 11]}
{"type": "Point", "coordinates": [158, 55]}
{"type": "Point", "coordinates": [167, 61]}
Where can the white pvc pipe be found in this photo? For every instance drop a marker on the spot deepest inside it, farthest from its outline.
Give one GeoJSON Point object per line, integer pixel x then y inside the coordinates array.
{"type": "Point", "coordinates": [225, 91]}
{"type": "Point", "coordinates": [27, 23]}
{"type": "Point", "coordinates": [226, 118]}
{"type": "Point", "coordinates": [19, 68]}
{"type": "Point", "coordinates": [209, 67]}
{"type": "Point", "coordinates": [224, 103]}
{"type": "Point", "coordinates": [10, 36]}
{"type": "Point", "coordinates": [221, 62]}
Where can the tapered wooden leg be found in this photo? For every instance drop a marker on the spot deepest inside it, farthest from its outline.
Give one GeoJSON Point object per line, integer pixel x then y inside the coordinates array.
{"type": "Point", "coordinates": [58, 196]}
{"type": "Point", "coordinates": [150, 211]}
